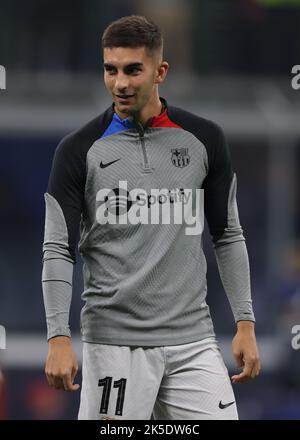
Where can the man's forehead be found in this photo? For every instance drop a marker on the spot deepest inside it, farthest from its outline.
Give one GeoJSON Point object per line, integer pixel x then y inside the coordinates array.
{"type": "Point", "coordinates": [122, 56]}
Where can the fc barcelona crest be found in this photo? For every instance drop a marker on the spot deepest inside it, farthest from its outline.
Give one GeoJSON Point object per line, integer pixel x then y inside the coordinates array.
{"type": "Point", "coordinates": [180, 157]}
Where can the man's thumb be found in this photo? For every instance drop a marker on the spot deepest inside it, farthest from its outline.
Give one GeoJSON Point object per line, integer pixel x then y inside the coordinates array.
{"type": "Point", "coordinates": [239, 360]}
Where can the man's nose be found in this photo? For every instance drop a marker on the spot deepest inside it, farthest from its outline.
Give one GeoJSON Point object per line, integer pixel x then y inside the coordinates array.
{"type": "Point", "coordinates": [121, 82]}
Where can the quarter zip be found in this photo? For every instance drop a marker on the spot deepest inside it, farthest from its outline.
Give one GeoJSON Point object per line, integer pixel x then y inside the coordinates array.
{"type": "Point", "coordinates": [141, 131]}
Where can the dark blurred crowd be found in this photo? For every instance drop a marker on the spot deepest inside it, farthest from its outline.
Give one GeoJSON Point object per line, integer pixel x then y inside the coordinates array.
{"type": "Point", "coordinates": [212, 36]}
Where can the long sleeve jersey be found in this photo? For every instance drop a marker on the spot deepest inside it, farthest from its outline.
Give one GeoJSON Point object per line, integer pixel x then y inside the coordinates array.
{"type": "Point", "coordinates": [144, 268]}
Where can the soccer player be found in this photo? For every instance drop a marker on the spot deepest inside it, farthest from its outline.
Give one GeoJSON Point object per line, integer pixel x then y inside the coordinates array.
{"type": "Point", "coordinates": [133, 179]}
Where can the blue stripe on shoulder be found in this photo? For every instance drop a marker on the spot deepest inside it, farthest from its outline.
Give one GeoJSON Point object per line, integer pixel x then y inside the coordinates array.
{"type": "Point", "coordinates": [117, 124]}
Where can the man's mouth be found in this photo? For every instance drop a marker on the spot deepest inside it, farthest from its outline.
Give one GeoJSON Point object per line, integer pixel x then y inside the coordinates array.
{"type": "Point", "coordinates": [124, 96]}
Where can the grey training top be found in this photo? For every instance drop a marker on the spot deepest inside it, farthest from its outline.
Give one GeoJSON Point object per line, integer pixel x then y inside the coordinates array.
{"type": "Point", "coordinates": [144, 273]}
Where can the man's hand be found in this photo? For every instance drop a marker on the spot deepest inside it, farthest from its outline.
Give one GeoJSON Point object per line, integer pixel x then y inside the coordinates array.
{"type": "Point", "coordinates": [61, 364]}
{"type": "Point", "coordinates": [245, 352]}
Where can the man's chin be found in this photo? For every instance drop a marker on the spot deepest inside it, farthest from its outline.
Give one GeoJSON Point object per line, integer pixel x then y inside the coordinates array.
{"type": "Point", "coordinates": [125, 109]}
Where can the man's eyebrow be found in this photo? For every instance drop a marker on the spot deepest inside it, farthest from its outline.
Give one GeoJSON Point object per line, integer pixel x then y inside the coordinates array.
{"type": "Point", "coordinates": [131, 65]}
{"type": "Point", "coordinates": [134, 65]}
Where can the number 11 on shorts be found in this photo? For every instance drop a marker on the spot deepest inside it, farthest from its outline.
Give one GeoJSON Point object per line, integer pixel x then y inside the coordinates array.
{"type": "Point", "coordinates": [106, 383]}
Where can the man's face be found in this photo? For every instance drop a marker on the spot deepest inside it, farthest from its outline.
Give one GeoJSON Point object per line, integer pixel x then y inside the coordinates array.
{"type": "Point", "coordinates": [131, 75]}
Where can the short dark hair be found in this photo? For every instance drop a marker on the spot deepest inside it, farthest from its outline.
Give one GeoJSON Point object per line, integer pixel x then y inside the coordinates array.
{"type": "Point", "coordinates": [133, 31]}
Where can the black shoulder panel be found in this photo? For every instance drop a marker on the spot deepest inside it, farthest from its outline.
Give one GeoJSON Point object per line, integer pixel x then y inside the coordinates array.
{"type": "Point", "coordinates": [218, 180]}
{"type": "Point", "coordinates": [68, 173]}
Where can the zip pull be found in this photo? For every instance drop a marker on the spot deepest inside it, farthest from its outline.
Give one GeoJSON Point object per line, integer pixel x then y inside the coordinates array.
{"type": "Point", "coordinates": [140, 129]}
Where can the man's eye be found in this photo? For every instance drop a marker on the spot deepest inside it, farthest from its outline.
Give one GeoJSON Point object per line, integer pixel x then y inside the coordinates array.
{"type": "Point", "coordinates": [134, 70]}
{"type": "Point", "coordinates": [110, 71]}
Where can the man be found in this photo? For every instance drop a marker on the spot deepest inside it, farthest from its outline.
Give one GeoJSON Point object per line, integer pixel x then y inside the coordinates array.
{"type": "Point", "coordinates": [128, 178]}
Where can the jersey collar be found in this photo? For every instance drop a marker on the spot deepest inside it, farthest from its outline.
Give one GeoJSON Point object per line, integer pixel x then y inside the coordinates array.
{"type": "Point", "coordinates": [154, 121]}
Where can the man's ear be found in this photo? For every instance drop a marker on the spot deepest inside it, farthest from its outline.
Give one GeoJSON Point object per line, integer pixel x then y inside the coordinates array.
{"type": "Point", "coordinates": [161, 72]}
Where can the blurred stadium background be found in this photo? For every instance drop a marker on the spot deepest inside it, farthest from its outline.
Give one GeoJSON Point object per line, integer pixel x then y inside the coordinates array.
{"type": "Point", "coordinates": [231, 61]}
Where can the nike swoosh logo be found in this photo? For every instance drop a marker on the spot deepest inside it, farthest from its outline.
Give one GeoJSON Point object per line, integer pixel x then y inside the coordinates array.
{"type": "Point", "coordinates": [104, 165]}
{"type": "Point", "coordinates": [225, 405]}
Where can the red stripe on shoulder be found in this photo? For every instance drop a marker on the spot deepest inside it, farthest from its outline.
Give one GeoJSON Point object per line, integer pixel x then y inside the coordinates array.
{"type": "Point", "coordinates": [163, 120]}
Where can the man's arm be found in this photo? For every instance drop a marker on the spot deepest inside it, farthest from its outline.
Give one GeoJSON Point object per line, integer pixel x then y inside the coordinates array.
{"type": "Point", "coordinates": [231, 253]}
{"type": "Point", "coordinates": [64, 202]}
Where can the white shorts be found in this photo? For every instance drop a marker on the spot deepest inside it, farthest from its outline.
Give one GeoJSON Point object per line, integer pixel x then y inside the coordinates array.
{"type": "Point", "coordinates": [177, 382]}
